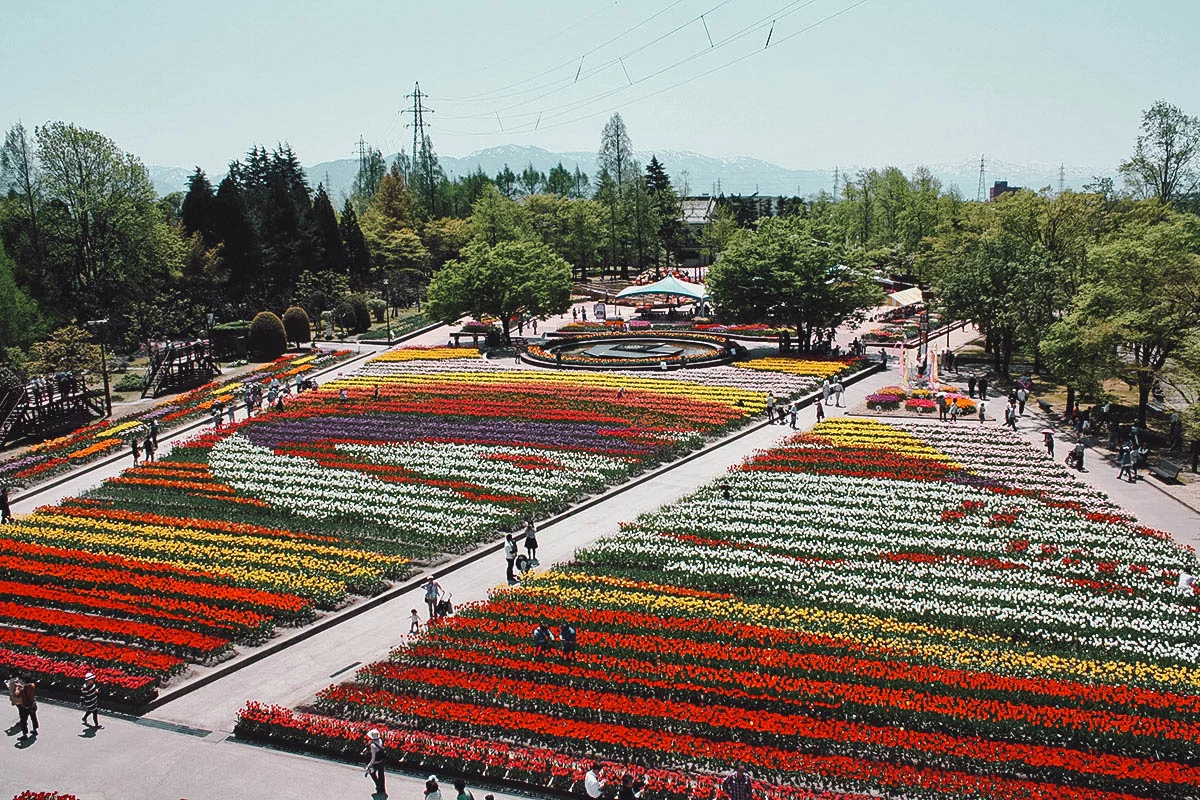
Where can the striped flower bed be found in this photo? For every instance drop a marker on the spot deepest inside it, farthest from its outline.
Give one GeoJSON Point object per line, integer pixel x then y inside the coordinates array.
{"type": "Point", "coordinates": [918, 611]}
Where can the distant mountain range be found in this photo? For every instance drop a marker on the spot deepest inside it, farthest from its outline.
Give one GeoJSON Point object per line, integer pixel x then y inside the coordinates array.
{"type": "Point", "coordinates": [704, 174]}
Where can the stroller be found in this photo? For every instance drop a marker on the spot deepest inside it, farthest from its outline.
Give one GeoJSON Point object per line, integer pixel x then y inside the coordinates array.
{"type": "Point", "coordinates": [444, 607]}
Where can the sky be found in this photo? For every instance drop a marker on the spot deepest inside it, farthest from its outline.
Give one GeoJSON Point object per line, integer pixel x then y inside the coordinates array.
{"type": "Point", "coordinates": [849, 82]}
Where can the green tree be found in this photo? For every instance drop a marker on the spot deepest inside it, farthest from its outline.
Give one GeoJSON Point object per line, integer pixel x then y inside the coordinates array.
{"type": "Point", "coordinates": [197, 214]}
{"type": "Point", "coordinates": [531, 180]}
{"type": "Point", "coordinates": [358, 256]}
{"type": "Point", "coordinates": [444, 238]}
{"type": "Point", "coordinates": [20, 320]}
{"type": "Point", "coordinates": [329, 236]}
{"type": "Point", "coordinates": [496, 218]}
{"type": "Point", "coordinates": [370, 172]}
{"type": "Point", "coordinates": [102, 223]}
{"type": "Point", "coordinates": [782, 273]}
{"type": "Point", "coordinates": [20, 179]}
{"type": "Point", "coordinates": [1164, 164]}
{"type": "Point", "coordinates": [513, 278]}
{"type": "Point", "coordinates": [1142, 305]}
{"type": "Point", "coordinates": [506, 182]}
{"type": "Point", "coordinates": [559, 182]}
{"type": "Point", "coordinates": [69, 349]}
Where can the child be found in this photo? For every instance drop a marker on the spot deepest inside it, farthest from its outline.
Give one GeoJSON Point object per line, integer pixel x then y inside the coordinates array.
{"type": "Point", "coordinates": [414, 622]}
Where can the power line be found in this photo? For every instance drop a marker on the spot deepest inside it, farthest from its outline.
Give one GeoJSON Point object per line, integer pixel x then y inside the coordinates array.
{"type": "Point", "coordinates": [563, 83]}
{"type": "Point", "coordinates": [619, 36]}
{"type": "Point", "coordinates": [787, 10]}
{"type": "Point", "coordinates": [676, 85]}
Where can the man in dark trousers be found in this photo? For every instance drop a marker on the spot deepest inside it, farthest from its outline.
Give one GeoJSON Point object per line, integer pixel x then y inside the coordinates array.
{"type": "Point", "coordinates": [737, 785]}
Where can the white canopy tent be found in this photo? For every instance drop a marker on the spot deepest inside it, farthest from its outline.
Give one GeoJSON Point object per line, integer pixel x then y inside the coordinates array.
{"type": "Point", "coordinates": [669, 285]}
{"type": "Point", "coordinates": [904, 297]}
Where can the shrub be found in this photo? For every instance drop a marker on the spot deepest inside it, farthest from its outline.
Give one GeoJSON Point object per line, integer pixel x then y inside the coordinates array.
{"type": "Point", "coordinates": [345, 317]}
{"type": "Point", "coordinates": [362, 314]}
{"type": "Point", "coordinates": [295, 322]}
{"type": "Point", "coordinates": [129, 382]}
{"type": "Point", "coordinates": [268, 340]}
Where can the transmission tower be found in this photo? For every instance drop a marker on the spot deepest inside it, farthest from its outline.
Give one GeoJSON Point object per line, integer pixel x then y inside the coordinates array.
{"type": "Point", "coordinates": [979, 191]}
{"type": "Point", "coordinates": [1062, 177]}
{"type": "Point", "coordinates": [419, 110]}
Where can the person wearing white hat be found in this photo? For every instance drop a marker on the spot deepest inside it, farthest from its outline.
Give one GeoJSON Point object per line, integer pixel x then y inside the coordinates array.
{"type": "Point", "coordinates": [89, 700]}
{"type": "Point", "coordinates": [378, 755]}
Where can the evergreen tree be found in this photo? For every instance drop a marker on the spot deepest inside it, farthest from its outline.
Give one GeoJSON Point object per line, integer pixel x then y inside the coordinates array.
{"type": "Point", "coordinates": [329, 237]}
{"type": "Point", "coordinates": [239, 243]}
{"type": "Point", "coordinates": [559, 181]}
{"type": "Point", "coordinates": [506, 182]}
{"type": "Point", "coordinates": [531, 180]}
{"type": "Point", "coordinates": [358, 259]}
{"type": "Point", "coordinates": [199, 206]}
{"type": "Point", "coordinates": [370, 173]}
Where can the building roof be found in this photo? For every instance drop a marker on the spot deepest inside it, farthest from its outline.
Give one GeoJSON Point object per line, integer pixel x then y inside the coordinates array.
{"type": "Point", "coordinates": [697, 210]}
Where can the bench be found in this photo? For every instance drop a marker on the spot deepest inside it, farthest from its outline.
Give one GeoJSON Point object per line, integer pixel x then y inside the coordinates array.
{"type": "Point", "coordinates": [1044, 406]}
{"type": "Point", "coordinates": [1167, 471]}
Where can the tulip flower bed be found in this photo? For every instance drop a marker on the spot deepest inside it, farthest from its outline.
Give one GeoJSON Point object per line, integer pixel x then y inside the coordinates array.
{"type": "Point", "coordinates": [46, 459]}
{"type": "Point", "coordinates": [819, 368]}
{"type": "Point", "coordinates": [270, 520]}
{"type": "Point", "coordinates": [923, 611]}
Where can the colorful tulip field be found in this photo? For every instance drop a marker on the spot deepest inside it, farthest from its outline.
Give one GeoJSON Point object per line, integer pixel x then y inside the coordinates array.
{"type": "Point", "coordinates": [910, 610]}
{"type": "Point", "coordinates": [272, 520]}
{"type": "Point", "coordinates": [105, 437]}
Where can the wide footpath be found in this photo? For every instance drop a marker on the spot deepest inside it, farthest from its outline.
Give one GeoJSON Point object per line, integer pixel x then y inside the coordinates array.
{"type": "Point", "coordinates": [184, 749]}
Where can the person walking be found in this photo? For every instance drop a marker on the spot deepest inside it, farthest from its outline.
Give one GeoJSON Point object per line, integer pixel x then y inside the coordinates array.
{"type": "Point", "coordinates": [89, 700]}
{"type": "Point", "coordinates": [737, 785]}
{"type": "Point", "coordinates": [542, 637]}
{"type": "Point", "coordinates": [567, 635]}
{"type": "Point", "coordinates": [1125, 461]}
{"type": "Point", "coordinates": [432, 591]}
{"type": "Point", "coordinates": [820, 411]}
{"type": "Point", "coordinates": [593, 785]}
{"type": "Point", "coordinates": [375, 763]}
{"type": "Point", "coordinates": [5, 509]}
{"type": "Point", "coordinates": [971, 386]}
{"type": "Point", "coordinates": [531, 542]}
{"type": "Point", "coordinates": [28, 708]}
{"type": "Point", "coordinates": [510, 556]}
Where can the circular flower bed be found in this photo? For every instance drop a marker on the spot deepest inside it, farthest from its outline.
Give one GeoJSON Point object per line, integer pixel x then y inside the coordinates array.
{"type": "Point", "coordinates": [658, 350]}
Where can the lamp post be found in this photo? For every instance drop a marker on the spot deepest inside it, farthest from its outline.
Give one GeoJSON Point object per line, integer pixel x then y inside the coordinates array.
{"type": "Point", "coordinates": [387, 311]}
{"type": "Point", "coordinates": [99, 325]}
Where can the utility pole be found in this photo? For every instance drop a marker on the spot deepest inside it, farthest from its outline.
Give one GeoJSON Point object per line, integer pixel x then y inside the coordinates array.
{"type": "Point", "coordinates": [420, 151]}
{"type": "Point", "coordinates": [979, 191]}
